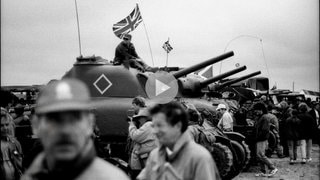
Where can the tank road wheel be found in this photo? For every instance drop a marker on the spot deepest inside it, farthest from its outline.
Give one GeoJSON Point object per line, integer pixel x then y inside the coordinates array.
{"type": "Point", "coordinates": [248, 155]}
{"type": "Point", "coordinates": [239, 158]}
{"type": "Point", "coordinates": [222, 155]}
{"type": "Point", "coordinates": [241, 154]}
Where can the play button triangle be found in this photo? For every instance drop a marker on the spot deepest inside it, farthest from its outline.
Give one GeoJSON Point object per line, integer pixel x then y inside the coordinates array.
{"type": "Point", "coordinates": [161, 87]}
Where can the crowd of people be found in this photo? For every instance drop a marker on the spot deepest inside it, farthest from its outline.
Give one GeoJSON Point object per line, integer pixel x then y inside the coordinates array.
{"type": "Point", "coordinates": [296, 125]}
{"type": "Point", "coordinates": [163, 139]}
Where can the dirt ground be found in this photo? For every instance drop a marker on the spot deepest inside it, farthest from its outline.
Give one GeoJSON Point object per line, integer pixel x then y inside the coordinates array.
{"type": "Point", "coordinates": [297, 171]}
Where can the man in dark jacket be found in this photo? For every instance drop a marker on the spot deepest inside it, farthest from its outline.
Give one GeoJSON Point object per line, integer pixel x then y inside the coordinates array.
{"type": "Point", "coordinates": [292, 133]}
{"type": "Point", "coordinates": [64, 125]}
{"type": "Point", "coordinates": [315, 115]}
{"type": "Point", "coordinates": [126, 54]}
{"type": "Point", "coordinates": [262, 127]}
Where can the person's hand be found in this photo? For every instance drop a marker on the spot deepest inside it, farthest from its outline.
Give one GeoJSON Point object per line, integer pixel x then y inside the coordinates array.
{"type": "Point", "coordinates": [250, 122]}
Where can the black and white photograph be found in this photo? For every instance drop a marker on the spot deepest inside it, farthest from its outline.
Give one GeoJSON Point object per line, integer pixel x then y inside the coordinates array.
{"type": "Point", "coordinates": [160, 89]}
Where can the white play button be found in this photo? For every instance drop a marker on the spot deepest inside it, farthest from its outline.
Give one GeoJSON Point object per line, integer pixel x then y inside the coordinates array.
{"type": "Point", "coordinates": [161, 87]}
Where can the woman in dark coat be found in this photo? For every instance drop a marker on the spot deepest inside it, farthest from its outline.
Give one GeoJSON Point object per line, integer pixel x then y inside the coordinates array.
{"type": "Point", "coordinates": [307, 129]}
{"type": "Point", "coordinates": [292, 125]}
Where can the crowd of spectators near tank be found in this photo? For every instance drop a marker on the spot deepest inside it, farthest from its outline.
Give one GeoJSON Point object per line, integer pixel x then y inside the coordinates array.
{"type": "Point", "coordinates": [295, 123]}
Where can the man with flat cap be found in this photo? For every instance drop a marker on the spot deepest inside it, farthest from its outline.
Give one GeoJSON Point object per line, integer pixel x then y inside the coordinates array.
{"type": "Point", "coordinates": [126, 54]}
{"type": "Point", "coordinates": [64, 125]}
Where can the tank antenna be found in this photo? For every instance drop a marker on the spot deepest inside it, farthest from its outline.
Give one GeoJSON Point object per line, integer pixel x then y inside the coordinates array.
{"type": "Point", "coordinates": [75, 1]}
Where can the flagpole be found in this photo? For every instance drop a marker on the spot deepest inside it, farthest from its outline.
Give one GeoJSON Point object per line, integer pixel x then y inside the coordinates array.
{"type": "Point", "coordinates": [167, 59]}
{"type": "Point", "coordinates": [167, 55]}
{"type": "Point", "coordinates": [145, 29]}
{"type": "Point", "coordinates": [75, 1]}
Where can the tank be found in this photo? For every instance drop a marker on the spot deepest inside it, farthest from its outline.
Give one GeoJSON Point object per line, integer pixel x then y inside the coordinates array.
{"type": "Point", "coordinates": [110, 83]}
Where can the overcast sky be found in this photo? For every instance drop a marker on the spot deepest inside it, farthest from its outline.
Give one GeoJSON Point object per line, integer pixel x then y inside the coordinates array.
{"type": "Point", "coordinates": [39, 39]}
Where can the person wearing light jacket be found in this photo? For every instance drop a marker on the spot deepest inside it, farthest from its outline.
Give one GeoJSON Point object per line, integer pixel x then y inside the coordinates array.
{"type": "Point", "coordinates": [178, 156]}
{"type": "Point", "coordinates": [143, 141]}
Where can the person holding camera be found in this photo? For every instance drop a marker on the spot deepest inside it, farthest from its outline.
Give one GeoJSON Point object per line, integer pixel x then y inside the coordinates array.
{"type": "Point", "coordinates": [143, 141]}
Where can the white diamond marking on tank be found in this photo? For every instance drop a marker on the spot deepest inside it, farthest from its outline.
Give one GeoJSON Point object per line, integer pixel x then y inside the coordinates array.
{"type": "Point", "coordinates": [101, 80]}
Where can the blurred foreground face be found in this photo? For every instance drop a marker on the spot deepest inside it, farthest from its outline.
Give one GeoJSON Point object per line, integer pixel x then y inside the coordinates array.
{"type": "Point", "coordinates": [5, 126]}
{"type": "Point", "coordinates": [165, 132]}
{"type": "Point", "coordinates": [64, 134]}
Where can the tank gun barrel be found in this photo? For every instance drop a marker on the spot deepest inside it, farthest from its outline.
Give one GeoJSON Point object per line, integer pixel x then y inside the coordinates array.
{"type": "Point", "coordinates": [225, 84]}
{"type": "Point", "coordinates": [203, 64]}
{"type": "Point", "coordinates": [221, 76]}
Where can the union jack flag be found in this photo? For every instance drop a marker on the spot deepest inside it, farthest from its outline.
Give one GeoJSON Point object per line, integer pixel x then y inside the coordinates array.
{"type": "Point", "coordinates": [167, 47]}
{"type": "Point", "coordinates": [127, 24]}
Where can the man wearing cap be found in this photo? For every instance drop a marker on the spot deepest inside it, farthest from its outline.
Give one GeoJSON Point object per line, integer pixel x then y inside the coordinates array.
{"type": "Point", "coordinates": [126, 54]}
{"type": "Point", "coordinates": [226, 121]}
{"type": "Point", "coordinates": [64, 126]}
{"type": "Point", "coordinates": [143, 140]}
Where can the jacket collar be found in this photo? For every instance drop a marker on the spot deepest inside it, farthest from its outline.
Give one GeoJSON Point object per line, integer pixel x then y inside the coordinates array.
{"type": "Point", "coordinates": [40, 170]}
{"type": "Point", "coordinates": [178, 146]}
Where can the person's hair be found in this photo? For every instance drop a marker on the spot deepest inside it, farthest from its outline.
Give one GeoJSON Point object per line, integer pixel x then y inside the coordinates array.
{"type": "Point", "coordinates": [303, 107]}
{"type": "Point", "coordinates": [19, 109]}
{"type": "Point", "coordinates": [269, 107]}
{"type": "Point", "coordinates": [260, 106]}
{"type": "Point", "coordinates": [140, 101]}
{"type": "Point", "coordinates": [284, 105]}
{"type": "Point", "coordinates": [194, 116]}
{"type": "Point", "coordinates": [294, 112]}
{"type": "Point", "coordinates": [8, 117]}
{"type": "Point", "coordinates": [174, 113]}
